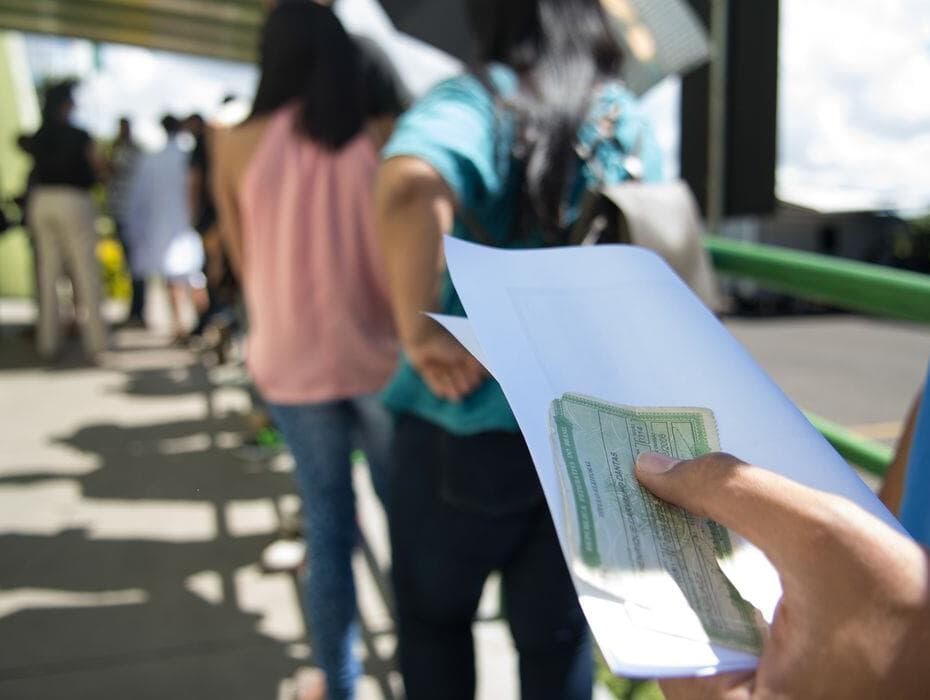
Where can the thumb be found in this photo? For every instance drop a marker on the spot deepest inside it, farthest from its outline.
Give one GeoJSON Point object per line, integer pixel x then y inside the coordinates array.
{"type": "Point", "coordinates": [776, 514]}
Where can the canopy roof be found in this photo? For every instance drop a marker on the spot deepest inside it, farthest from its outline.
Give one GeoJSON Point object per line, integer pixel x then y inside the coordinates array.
{"type": "Point", "coordinates": [226, 29]}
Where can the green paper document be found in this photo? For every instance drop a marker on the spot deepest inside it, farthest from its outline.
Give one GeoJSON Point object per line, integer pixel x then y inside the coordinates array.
{"type": "Point", "coordinates": [662, 564]}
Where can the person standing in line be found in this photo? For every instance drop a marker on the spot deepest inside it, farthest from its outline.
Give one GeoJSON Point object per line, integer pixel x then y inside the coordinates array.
{"type": "Point", "coordinates": [61, 216]}
{"type": "Point", "coordinates": [220, 292]}
{"type": "Point", "coordinates": [293, 186]}
{"type": "Point", "coordinates": [124, 157]}
{"type": "Point", "coordinates": [490, 156]}
{"type": "Point", "coordinates": [161, 238]}
{"type": "Point", "coordinates": [386, 95]}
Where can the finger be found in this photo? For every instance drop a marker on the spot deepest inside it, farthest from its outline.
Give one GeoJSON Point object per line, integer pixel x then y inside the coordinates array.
{"type": "Point", "coordinates": [471, 375]}
{"type": "Point", "coordinates": [725, 686]}
{"type": "Point", "coordinates": [438, 383]}
{"type": "Point", "coordinates": [476, 371]}
{"type": "Point", "coordinates": [459, 380]}
{"type": "Point", "coordinates": [778, 515]}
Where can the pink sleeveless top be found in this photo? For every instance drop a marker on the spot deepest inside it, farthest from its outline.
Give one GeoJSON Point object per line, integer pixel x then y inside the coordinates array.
{"type": "Point", "coordinates": [320, 327]}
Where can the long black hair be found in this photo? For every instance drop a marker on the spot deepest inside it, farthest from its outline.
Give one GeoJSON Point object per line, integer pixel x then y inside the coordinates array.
{"type": "Point", "coordinates": [307, 56]}
{"type": "Point", "coordinates": [560, 49]}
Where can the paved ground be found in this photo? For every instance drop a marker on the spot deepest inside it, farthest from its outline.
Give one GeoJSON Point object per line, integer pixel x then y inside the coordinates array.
{"type": "Point", "coordinates": [861, 373]}
{"type": "Point", "coordinates": [130, 532]}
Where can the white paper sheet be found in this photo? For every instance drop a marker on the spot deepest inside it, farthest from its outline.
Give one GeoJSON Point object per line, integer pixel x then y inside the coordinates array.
{"type": "Point", "coordinates": [615, 322]}
{"type": "Point", "coordinates": [460, 327]}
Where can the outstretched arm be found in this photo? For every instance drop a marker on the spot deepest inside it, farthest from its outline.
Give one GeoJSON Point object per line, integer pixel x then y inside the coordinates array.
{"type": "Point", "coordinates": [413, 209]}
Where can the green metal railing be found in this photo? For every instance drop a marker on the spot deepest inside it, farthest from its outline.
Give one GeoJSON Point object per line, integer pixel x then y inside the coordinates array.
{"type": "Point", "coordinates": [852, 285]}
{"type": "Point", "coordinates": [867, 454]}
{"type": "Point", "coordinates": [847, 284]}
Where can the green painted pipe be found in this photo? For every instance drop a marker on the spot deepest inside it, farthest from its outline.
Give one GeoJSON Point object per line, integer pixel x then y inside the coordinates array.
{"type": "Point", "coordinates": [872, 456]}
{"type": "Point", "coordinates": [848, 284]}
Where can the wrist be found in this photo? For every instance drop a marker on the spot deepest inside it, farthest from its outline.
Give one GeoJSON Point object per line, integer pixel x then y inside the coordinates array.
{"type": "Point", "coordinates": [417, 331]}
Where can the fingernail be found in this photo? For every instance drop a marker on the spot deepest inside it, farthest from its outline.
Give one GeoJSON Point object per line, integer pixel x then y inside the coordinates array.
{"type": "Point", "coordinates": [655, 463]}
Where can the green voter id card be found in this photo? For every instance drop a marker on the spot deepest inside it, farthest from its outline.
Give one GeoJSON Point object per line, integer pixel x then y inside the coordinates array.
{"type": "Point", "coordinates": [658, 560]}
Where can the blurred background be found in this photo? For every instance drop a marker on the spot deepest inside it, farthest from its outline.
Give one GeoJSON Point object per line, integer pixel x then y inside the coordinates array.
{"type": "Point", "coordinates": [825, 125]}
{"type": "Point", "coordinates": [139, 498]}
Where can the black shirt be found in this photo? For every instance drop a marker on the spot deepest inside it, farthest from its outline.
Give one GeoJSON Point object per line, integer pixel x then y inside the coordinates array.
{"type": "Point", "coordinates": [60, 154]}
{"type": "Point", "coordinates": [200, 160]}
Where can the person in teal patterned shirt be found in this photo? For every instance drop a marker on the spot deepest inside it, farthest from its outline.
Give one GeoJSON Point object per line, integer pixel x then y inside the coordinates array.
{"type": "Point", "coordinates": [490, 156]}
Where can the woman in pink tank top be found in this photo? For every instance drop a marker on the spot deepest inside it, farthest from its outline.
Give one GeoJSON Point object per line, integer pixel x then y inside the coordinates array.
{"type": "Point", "coordinates": [294, 190]}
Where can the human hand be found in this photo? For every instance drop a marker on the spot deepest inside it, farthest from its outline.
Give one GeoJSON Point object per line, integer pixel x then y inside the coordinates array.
{"type": "Point", "coordinates": [854, 619]}
{"type": "Point", "coordinates": [449, 370]}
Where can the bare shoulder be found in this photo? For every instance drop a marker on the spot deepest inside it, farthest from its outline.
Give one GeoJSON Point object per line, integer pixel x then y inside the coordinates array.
{"type": "Point", "coordinates": [233, 147]}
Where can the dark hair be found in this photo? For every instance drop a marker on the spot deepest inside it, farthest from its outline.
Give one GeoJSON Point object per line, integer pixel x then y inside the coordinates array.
{"type": "Point", "coordinates": [57, 96]}
{"type": "Point", "coordinates": [170, 124]}
{"type": "Point", "coordinates": [307, 56]}
{"type": "Point", "coordinates": [560, 50]}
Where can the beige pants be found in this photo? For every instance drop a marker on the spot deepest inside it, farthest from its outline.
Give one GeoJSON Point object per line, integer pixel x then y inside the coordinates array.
{"type": "Point", "coordinates": [61, 220]}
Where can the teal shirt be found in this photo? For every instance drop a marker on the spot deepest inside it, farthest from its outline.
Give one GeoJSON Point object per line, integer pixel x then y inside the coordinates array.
{"type": "Point", "coordinates": [458, 130]}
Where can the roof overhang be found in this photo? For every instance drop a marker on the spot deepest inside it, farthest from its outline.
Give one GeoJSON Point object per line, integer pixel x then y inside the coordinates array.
{"type": "Point", "coordinates": [225, 29]}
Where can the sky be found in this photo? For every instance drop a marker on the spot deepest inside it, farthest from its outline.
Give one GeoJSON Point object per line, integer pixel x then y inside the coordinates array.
{"type": "Point", "coordinates": [854, 102]}
{"type": "Point", "coordinates": [854, 95]}
{"type": "Point", "coordinates": [137, 82]}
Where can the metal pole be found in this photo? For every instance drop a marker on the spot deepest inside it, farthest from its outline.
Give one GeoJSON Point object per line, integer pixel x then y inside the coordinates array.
{"type": "Point", "coordinates": [717, 119]}
{"type": "Point", "coordinates": [849, 284]}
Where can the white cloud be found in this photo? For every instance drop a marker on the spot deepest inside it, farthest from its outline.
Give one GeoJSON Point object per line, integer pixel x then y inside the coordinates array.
{"type": "Point", "coordinates": [138, 82]}
{"type": "Point", "coordinates": [854, 102]}
{"type": "Point", "coordinates": [854, 108]}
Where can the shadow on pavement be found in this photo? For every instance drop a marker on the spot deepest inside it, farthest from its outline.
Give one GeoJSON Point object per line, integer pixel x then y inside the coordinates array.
{"type": "Point", "coordinates": [140, 578]}
{"type": "Point", "coordinates": [18, 352]}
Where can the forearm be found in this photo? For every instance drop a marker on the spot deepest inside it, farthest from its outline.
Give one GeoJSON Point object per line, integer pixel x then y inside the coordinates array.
{"type": "Point", "coordinates": [232, 245]}
{"type": "Point", "coordinates": [227, 226]}
{"type": "Point", "coordinates": [194, 193]}
{"type": "Point", "coordinates": [413, 208]}
{"type": "Point", "coordinates": [221, 186]}
{"type": "Point", "coordinates": [893, 488]}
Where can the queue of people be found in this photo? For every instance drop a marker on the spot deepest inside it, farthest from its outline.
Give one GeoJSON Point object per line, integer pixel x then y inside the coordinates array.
{"type": "Point", "coordinates": [489, 155]}
{"type": "Point", "coordinates": [338, 253]}
{"type": "Point", "coordinates": [162, 214]}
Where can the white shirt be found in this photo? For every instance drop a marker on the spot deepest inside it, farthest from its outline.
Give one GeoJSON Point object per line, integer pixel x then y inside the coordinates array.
{"type": "Point", "coordinates": [158, 215]}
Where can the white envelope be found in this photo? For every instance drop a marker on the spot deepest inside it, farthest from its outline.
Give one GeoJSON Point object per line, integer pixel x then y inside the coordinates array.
{"type": "Point", "coordinates": [615, 322]}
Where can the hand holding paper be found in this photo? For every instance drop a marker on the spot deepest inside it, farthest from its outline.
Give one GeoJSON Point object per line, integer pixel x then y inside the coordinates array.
{"type": "Point", "coordinates": [616, 323]}
{"type": "Point", "coordinates": [450, 372]}
{"type": "Point", "coordinates": [657, 560]}
{"type": "Point", "coordinates": [843, 570]}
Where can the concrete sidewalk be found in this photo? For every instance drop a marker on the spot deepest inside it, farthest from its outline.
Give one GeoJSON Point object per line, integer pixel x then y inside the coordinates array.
{"type": "Point", "coordinates": [130, 535]}
{"type": "Point", "coordinates": [130, 532]}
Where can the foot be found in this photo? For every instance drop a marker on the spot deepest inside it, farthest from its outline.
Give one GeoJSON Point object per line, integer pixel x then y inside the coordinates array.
{"type": "Point", "coordinates": [284, 555]}
{"type": "Point", "coordinates": [133, 323]}
{"type": "Point", "coordinates": [180, 340]}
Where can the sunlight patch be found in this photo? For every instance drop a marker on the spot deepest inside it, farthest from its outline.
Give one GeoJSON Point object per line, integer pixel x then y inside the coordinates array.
{"type": "Point", "coordinates": [20, 599]}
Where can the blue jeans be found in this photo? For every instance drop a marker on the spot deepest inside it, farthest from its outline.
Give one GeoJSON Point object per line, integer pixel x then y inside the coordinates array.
{"type": "Point", "coordinates": [461, 508]}
{"type": "Point", "coordinates": [322, 436]}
